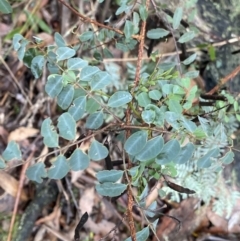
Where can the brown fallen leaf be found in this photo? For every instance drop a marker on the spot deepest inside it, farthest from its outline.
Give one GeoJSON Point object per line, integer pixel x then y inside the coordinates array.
{"type": "Point", "coordinates": [10, 185]}
{"type": "Point", "coordinates": [22, 133]}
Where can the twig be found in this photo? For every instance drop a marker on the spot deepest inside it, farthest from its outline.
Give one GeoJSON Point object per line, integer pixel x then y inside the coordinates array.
{"type": "Point", "coordinates": [140, 49]}
{"type": "Point", "coordinates": [92, 21]}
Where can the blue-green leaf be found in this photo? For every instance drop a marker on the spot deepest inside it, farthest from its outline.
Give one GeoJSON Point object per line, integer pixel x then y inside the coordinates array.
{"type": "Point", "coordinates": [111, 189]}
{"type": "Point", "coordinates": [186, 37]}
{"type": "Point", "coordinates": [188, 124]}
{"type": "Point", "coordinates": [174, 106]}
{"type": "Point", "coordinates": [12, 151]}
{"type": "Point", "coordinates": [169, 152]}
{"type": "Point", "coordinates": [59, 168]}
{"type": "Point", "coordinates": [141, 235]}
{"type": "Point", "coordinates": [37, 66]}
{"type": "Point", "coordinates": [136, 142]}
{"type": "Point", "coordinates": [148, 116]}
{"type": "Point", "coordinates": [151, 149]}
{"type": "Point", "coordinates": [78, 108]}
{"type": "Point", "coordinates": [100, 80]}
{"type": "Point", "coordinates": [79, 160]}
{"type": "Point", "coordinates": [50, 136]}
{"type": "Point", "coordinates": [59, 40]}
{"type": "Point", "coordinates": [65, 53]}
{"type": "Point", "coordinates": [36, 172]}
{"type": "Point", "coordinates": [185, 154]}
{"type": "Point", "coordinates": [94, 121]}
{"type": "Point", "coordinates": [177, 17]}
{"type": "Point", "coordinates": [109, 176]}
{"type": "Point", "coordinates": [157, 33]}
{"type": "Point", "coordinates": [5, 7]}
{"type": "Point", "coordinates": [205, 161]}
{"type": "Point", "coordinates": [143, 12]}
{"type": "Point", "coordinates": [155, 94]}
{"type": "Point", "coordinates": [67, 126]}
{"type": "Point", "coordinates": [16, 38]}
{"type": "Point", "coordinates": [65, 97]}
{"type": "Point", "coordinates": [88, 72]}
{"type": "Point", "coordinates": [86, 36]}
{"type": "Point", "coordinates": [172, 118]}
{"type": "Point", "coordinates": [143, 99]}
{"type": "Point", "coordinates": [54, 85]}
{"type": "Point", "coordinates": [76, 63]}
{"type": "Point", "coordinates": [128, 29]}
{"type": "Point", "coordinates": [119, 98]}
{"type": "Point", "coordinates": [228, 158]}
{"type": "Point", "coordinates": [97, 151]}
{"type": "Point", "coordinates": [190, 59]}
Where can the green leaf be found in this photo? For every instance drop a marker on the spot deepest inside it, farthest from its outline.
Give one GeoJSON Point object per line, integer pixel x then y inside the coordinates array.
{"type": "Point", "coordinates": [59, 168]}
{"type": "Point", "coordinates": [141, 235]}
{"type": "Point", "coordinates": [36, 172]}
{"type": "Point", "coordinates": [143, 12]}
{"type": "Point", "coordinates": [50, 136]}
{"type": "Point", "coordinates": [186, 37]}
{"type": "Point", "coordinates": [97, 151]}
{"type": "Point", "coordinates": [65, 97]}
{"type": "Point", "coordinates": [169, 170]}
{"type": "Point", "coordinates": [185, 154]}
{"type": "Point", "coordinates": [190, 59]}
{"type": "Point", "coordinates": [174, 106]}
{"type": "Point", "coordinates": [79, 160]}
{"type": "Point", "coordinates": [92, 106]}
{"type": "Point", "coordinates": [2, 163]}
{"type": "Point", "coordinates": [155, 94]}
{"type": "Point", "coordinates": [178, 90]}
{"type": "Point", "coordinates": [67, 126]}
{"type": "Point", "coordinates": [97, 55]}
{"type": "Point", "coordinates": [5, 7]}
{"type": "Point", "coordinates": [136, 142]}
{"type": "Point", "coordinates": [100, 80]}
{"type": "Point", "coordinates": [136, 20]}
{"type": "Point", "coordinates": [192, 74]}
{"type": "Point", "coordinates": [88, 72]}
{"type": "Point", "coordinates": [205, 161]}
{"type": "Point", "coordinates": [86, 36]}
{"type": "Point", "coordinates": [37, 66]}
{"type": "Point", "coordinates": [65, 53]}
{"type": "Point", "coordinates": [59, 40]}
{"type": "Point", "coordinates": [228, 158]}
{"type": "Point", "coordinates": [12, 151]}
{"type": "Point", "coordinates": [76, 63]}
{"type": "Point", "coordinates": [29, 55]}
{"type": "Point", "coordinates": [151, 149]}
{"type": "Point", "coordinates": [94, 121]}
{"type": "Point", "coordinates": [111, 189]}
{"type": "Point", "coordinates": [177, 17]}
{"type": "Point", "coordinates": [169, 152]}
{"type": "Point", "coordinates": [69, 77]}
{"type": "Point", "coordinates": [78, 108]}
{"type": "Point", "coordinates": [119, 98]}
{"type": "Point", "coordinates": [172, 118]}
{"type": "Point", "coordinates": [109, 176]}
{"type": "Point", "coordinates": [143, 99]}
{"type": "Point", "coordinates": [54, 85]}
{"type": "Point", "coordinates": [128, 29]}
{"type": "Point", "coordinates": [157, 33]}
